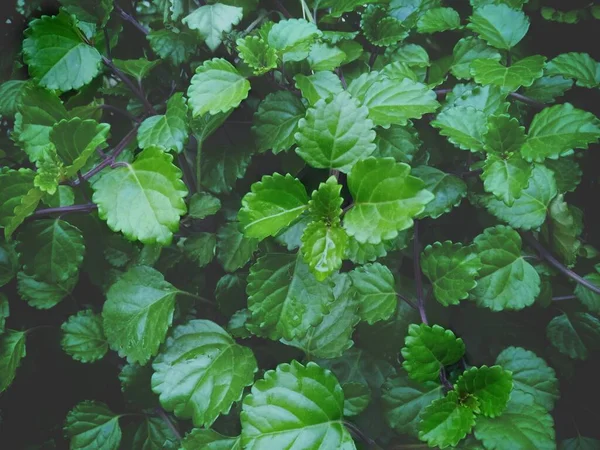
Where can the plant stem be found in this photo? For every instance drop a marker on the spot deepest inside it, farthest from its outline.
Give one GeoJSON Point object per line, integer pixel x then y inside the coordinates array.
{"type": "Point", "coordinates": [65, 210]}
{"type": "Point", "coordinates": [357, 432]}
{"type": "Point", "coordinates": [129, 18]}
{"type": "Point", "coordinates": [132, 87]}
{"type": "Point", "coordinates": [563, 297]}
{"type": "Point", "coordinates": [342, 79]}
{"type": "Point", "coordinates": [196, 297]}
{"type": "Point", "coordinates": [167, 420]}
{"type": "Point", "coordinates": [408, 302]}
{"type": "Point", "coordinates": [545, 254]}
{"type": "Point", "coordinates": [373, 57]}
{"type": "Point", "coordinates": [119, 111]}
{"type": "Point", "coordinates": [418, 276]}
{"type": "Point", "coordinates": [198, 164]}
{"type": "Point", "coordinates": [282, 9]}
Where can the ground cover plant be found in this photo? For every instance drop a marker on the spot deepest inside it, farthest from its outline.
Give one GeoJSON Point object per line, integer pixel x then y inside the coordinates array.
{"type": "Point", "coordinates": [303, 224]}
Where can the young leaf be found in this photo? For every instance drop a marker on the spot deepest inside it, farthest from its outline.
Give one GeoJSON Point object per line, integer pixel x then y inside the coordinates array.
{"type": "Point", "coordinates": [137, 68]}
{"type": "Point", "coordinates": [199, 358]}
{"type": "Point", "coordinates": [326, 202]}
{"type": "Point", "coordinates": [562, 230]}
{"type": "Point", "coordinates": [173, 45]}
{"type": "Point", "coordinates": [506, 178]}
{"type": "Point", "coordinates": [522, 73]}
{"type": "Point", "coordinates": [506, 280]}
{"type": "Point", "coordinates": [466, 51]}
{"type": "Point", "coordinates": [335, 134]}
{"type": "Point", "coordinates": [274, 203]}
{"type": "Point", "coordinates": [380, 28]}
{"type": "Point", "coordinates": [320, 85]}
{"type": "Point", "coordinates": [579, 66]}
{"type": "Point", "coordinates": [257, 54]}
{"type": "Point", "coordinates": [491, 386]}
{"type": "Point", "coordinates": [500, 25]}
{"type": "Point", "coordinates": [14, 187]}
{"type": "Point", "coordinates": [438, 19]}
{"type": "Point", "coordinates": [56, 54]}
{"type": "Point", "coordinates": [216, 87]}
{"type": "Point", "coordinates": [203, 205]}
{"type": "Point", "coordinates": [464, 126]}
{"type": "Point", "coordinates": [386, 198]}
{"type": "Point", "coordinates": [145, 199]}
{"type": "Point", "coordinates": [138, 312]}
{"type": "Point", "coordinates": [92, 425]}
{"type": "Point", "coordinates": [292, 38]}
{"type": "Point", "coordinates": [447, 189]}
{"type": "Point", "coordinates": [374, 284]}
{"type": "Point", "coordinates": [446, 421]}
{"type": "Point", "coordinates": [12, 350]}
{"type": "Point", "coordinates": [212, 21]}
{"type": "Point", "coordinates": [575, 335]}
{"type": "Point", "coordinates": [311, 401]}
{"type": "Point", "coordinates": [167, 131]}
{"type": "Point", "coordinates": [234, 249]}
{"type": "Point", "coordinates": [285, 298]}
{"type": "Point", "coordinates": [428, 349]}
{"type": "Point", "coordinates": [530, 374]}
{"type": "Point", "coordinates": [83, 337]}
{"type": "Point", "coordinates": [323, 248]}
{"type": "Point", "coordinates": [209, 440]}
{"type": "Point", "coordinates": [503, 135]}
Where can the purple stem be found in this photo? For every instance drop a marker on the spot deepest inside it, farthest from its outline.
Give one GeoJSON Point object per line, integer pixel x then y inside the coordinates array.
{"type": "Point", "coordinates": [167, 420]}
{"type": "Point", "coordinates": [65, 210]}
{"type": "Point", "coordinates": [418, 276]}
{"type": "Point", "coordinates": [563, 297]}
{"type": "Point", "coordinates": [132, 87]}
{"type": "Point", "coordinates": [129, 18]}
{"type": "Point", "coordinates": [283, 10]}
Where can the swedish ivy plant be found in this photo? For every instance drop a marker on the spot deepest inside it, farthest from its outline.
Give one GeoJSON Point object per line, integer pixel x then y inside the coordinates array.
{"type": "Point", "coordinates": [303, 224]}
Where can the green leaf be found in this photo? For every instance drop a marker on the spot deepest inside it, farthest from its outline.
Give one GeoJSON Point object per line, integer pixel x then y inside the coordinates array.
{"type": "Point", "coordinates": [335, 134]}
{"type": "Point", "coordinates": [49, 173]}
{"type": "Point", "coordinates": [386, 198]}
{"type": "Point", "coordinates": [579, 66]}
{"type": "Point", "coordinates": [428, 349]}
{"type": "Point", "coordinates": [273, 204]}
{"type": "Point", "coordinates": [547, 89]}
{"type": "Point", "coordinates": [452, 270]}
{"type": "Point", "coordinates": [138, 312]}
{"type": "Point", "coordinates": [216, 87]}
{"type": "Point", "coordinates": [137, 68]}
{"type": "Point", "coordinates": [504, 134]}
{"type": "Point", "coordinates": [333, 335]}
{"type": "Point", "coordinates": [152, 433]}
{"type": "Point", "coordinates": [320, 85]}
{"type": "Point", "coordinates": [295, 405]}
{"type": "Point", "coordinates": [356, 398]}
{"type": "Point", "coordinates": [92, 425]}
{"type": "Point", "coordinates": [400, 143]}
{"type": "Point", "coordinates": [83, 337]}
{"type": "Point", "coordinates": [446, 421]}
{"type": "Point", "coordinates": [375, 286]}
{"type": "Point", "coordinates": [9, 262]}
{"type": "Point", "coordinates": [325, 57]}
{"type": "Point", "coordinates": [562, 229]}
{"type": "Point", "coordinates": [199, 248]}
{"type": "Point", "coordinates": [464, 126]}
{"type": "Point", "coordinates": [212, 21]}
{"type": "Point", "coordinates": [380, 28]}
{"type": "Point", "coordinates": [135, 385]}
{"type": "Point", "coordinates": [285, 298]}
{"type": "Point", "coordinates": [560, 128]}
{"type": "Point", "coordinates": [234, 249]}
{"type": "Point", "coordinates": [522, 73]}
{"type": "Point", "coordinates": [167, 131]}
{"type": "Point", "coordinates": [11, 94]}
{"type": "Point", "coordinates": [43, 295]}
{"type": "Point", "coordinates": [323, 248]}
{"type": "Point", "coordinates": [589, 298]}
{"type": "Point", "coordinates": [4, 312]}
{"type": "Point", "coordinates": [447, 189]}
{"type": "Point", "coordinates": [223, 166]}
{"type": "Point", "coordinates": [145, 199]}
{"type": "Point", "coordinates": [12, 350]}
{"type": "Point", "coordinates": [574, 335]}
{"type": "Point", "coordinates": [209, 440]}
{"type": "Point", "coordinates": [530, 374]}
{"type": "Point", "coordinates": [51, 250]}
{"type": "Point", "coordinates": [200, 358]}
{"type": "Point", "coordinates": [506, 280]}
{"type": "Point", "coordinates": [361, 253]}
{"type": "Point", "coordinates": [500, 25]}
{"type": "Point", "coordinates": [276, 121]}
{"type": "Point", "coordinates": [491, 386]}
{"type": "Point", "coordinates": [488, 99]}
{"type": "Point", "coordinates": [203, 205]}
{"type": "Point", "coordinates": [580, 443]}
{"type": "Point", "coordinates": [93, 11]}
{"type": "Point", "coordinates": [257, 54]}
{"type": "Point", "coordinates": [466, 51]}
{"type": "Point", "coordinates": [404, 401]}
{"type": "Point", "coordinates": [14, 187]}
{"type": "Point", "coordinates": [523, 423]}
{"type": "Point", "coordinates": [438, 19]}
{"type": "Point", "coordinates": [326, 202]}
{"type": "Point", "coordinates": [176, 46]}
{"type": "Point", "coordinates": [292, 38]}
{"type": "Point", "coordinates": [506, 178]}
{"type": "Point", "coordinates": [56, 54]}
{"type": "Point", "coordinates": [530, 209]}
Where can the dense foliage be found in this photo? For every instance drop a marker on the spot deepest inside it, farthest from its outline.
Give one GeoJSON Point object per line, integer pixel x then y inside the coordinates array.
{"type": "Point", "coordinates": [303, 224]}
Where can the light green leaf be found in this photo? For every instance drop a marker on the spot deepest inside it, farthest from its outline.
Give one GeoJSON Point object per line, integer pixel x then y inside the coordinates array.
{"type": "Point", "coordinates": [257, 54]}
{"type": "Point", "coordinates": [386, 198]}
{"type": "Point", "coordinates": [438, 19]}
{"type": "Point", "coordinates": [201, 371]}
{"type": "Point", "coordinates": [276, 121]}
{"type": "Point", "coordinates": [326, 202]}
{"type": "Point", "coordinates": [559, 128]}
{"type": "Point", "coordinates": [42, 295]}
{"type": "Point", "coordinates": [325, 57]}
{"type": "Point", "coordinates": [574, 335]}
{"type": "Point", "coordinates": [335, 133]}
{"type": "Point", "coordinates": [145, 199]}
{"type": "Point", "coordinates": [167, 131]}
{"type": "Point", "coordinates": [48, 175]}
{"type": "Point", "coordinates": [503, 135]}
{"type": "Point", "coordinates": [375, 286]}
{"type": "Point", "coordinates": [452, 270]}
{"type": "Point", "coordinates": [92, 425]}
{"type": "Point", "coordinates": [138, 312]}
{"type": "Point", "coordinates": [523, 424]}
{"type": "Point", "coordinates": [506, 280]}
{"type": "Point", "coordinates": [199, 248]}
{"type": "Point", "coordinates": [464, 126]}
{"type": "Point", "coordinates": [522, 73]}
{"type": "Point", "coordinates": [500, 25]}
{"type": "Point", "coordinates": [320, 85]}
{"type": "Point", "coordinates": [589, 298]}
{"type": "Point", "coordinates": [400, 143]}
{"type": "Point", "coordinates": [323, 248]}
{"type": "Point", "coordinates": [547, 89]}
{"type": "Point", "coordinates": [446, 421]}
{"type": "Point", "coordinates": [380, 28]}
{"type": "Point", "coordinates": [56, 54]}
{"type": "Point", "coordinates": [207, 439]}
{"type": "Point", "coordinates": [579, 66]}
{"type": "Point", "coordinates": [562, 229]}
{"type": "Point", "coordinates": [404, 401]}
{"type": "Point", "coordinates": [274, 203]}
{"type": "Point", "coordinates": [428, 349]}
{"type": "Point", "coordinates": [222, 166]}
{"type": "Point", "coordinates": [212, 21]}
{"type": "Point", "coordinates": [530, 374]}
{"type": "Point", "coordinates": [83, 337]}
{"type": "Point", "coordinates": [285, 298]}
{"type": "Point", "coordinates": [137, 68]}
{"type": "Point", "coordinates": [487, 99]}
{"type": "Point", "coordinates": [216, 87]}
{"type": "Point", "coordinates": [466, 51]}
{"type": "Point", "coordinates": [295, 406]}
{"type": "Point", "coordinates": [447, 189]}
{"type": "Point", "coordinates": [234, 249]}
{"type": "Point", "coordinates": [530, 209]}
{"type": "Point", "coordinates": [506, 178]}
{"type": "Point", "coordinates": [203, 205]}
{"type": "Point", "coordinates": [11, 96]}
{"type": "Point", "coordinates": [292, 38]}
{"type": "Point", "coordinates": [491, 386]}
{"type": "Point", "coordinates": [338, 7]}
{"type": "Point", "coordinates": [175, 46]}
{"type": "Point", "coordinates": [411, 54]}
{"type": "Point", "coordinates": [361, 253]}
{"type": "Point", "coordinates": [12, 350]}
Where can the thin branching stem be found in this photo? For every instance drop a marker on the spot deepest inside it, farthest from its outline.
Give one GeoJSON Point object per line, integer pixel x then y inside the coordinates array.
{"type": "Point", "coordinates": [418, 275]}
{"type": "Point", "coordinates": [132, 87]}
{"type": "Point", "coordinates": [358, 434]}
{"type": "Point", "coordinates": [167, 420]}
{"type": "Point", "coordinates": [85, 208]}
{"type": "Point", "coordinates": [129, 18]}
{"type": "Point", "coordinates": [563, 297]}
